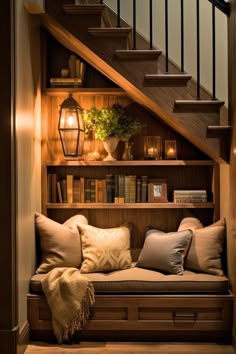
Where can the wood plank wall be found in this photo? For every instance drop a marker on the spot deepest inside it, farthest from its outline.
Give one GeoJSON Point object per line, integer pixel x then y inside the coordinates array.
{"type": "Point", "coordinates": [8, 307]}
{"type": "Point", "coordinates": [232, 112]}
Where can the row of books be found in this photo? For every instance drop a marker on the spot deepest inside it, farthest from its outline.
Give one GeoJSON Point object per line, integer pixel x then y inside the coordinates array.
{"type": "Point", "coordinates": [190, 196]}
{"type": "Point", "coordinates": [73, 76]}
{"type": "Point", "coordinates": [111, 189]}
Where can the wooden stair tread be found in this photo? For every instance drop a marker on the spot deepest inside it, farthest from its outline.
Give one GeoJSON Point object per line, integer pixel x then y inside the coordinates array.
{"type": "Point", "coordinates": [138, 54]}
{"type": "Point", "coordinates": [72, 9]}
{"type": "Point", "coordinates": [167, 79]}
{"type": "Point", "coordinates": [219, 127]}
{"type": "Point", "coordinates": [109, 31]}
{"type": "Point", "coordinates": [198, 105]}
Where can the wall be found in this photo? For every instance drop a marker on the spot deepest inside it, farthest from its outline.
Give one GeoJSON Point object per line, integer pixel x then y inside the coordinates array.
{"type": "Point", "coordinates": [190, 36]}
{"type": "Point", "coordinates": [28, 103]}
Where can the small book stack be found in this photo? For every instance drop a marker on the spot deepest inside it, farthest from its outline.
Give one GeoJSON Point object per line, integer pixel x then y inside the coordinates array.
{"type": "Point", "coordinates": [71, 77]}
{"type": "Point", "coordinates": [190, 196]}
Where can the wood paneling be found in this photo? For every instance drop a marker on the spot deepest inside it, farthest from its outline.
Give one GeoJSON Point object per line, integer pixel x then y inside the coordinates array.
{"type": "Point", "coordinates": [8, 317]}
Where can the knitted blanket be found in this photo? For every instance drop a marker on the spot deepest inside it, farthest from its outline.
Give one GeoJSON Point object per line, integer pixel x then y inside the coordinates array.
{"type": "Point", "coordinates": [69, 296]}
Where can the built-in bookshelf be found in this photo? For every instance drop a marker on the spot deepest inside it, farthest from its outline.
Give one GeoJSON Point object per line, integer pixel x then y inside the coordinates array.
{"type": "Point", "coordinates": [192, 170]}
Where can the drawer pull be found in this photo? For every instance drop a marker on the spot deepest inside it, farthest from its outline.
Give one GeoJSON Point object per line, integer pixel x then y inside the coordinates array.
{"type": "Point", "coordinates": [178, 316]}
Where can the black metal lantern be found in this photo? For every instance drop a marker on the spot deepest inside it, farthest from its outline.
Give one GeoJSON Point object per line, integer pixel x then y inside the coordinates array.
{"type": "Point", "coordinates": [71, 128]}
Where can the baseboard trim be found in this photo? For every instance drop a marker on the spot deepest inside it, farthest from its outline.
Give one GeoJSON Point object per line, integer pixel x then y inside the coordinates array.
{"type": "Point", "coordinates": [23, 339]}
{"type": "Point", "coordinates": [8, 340]}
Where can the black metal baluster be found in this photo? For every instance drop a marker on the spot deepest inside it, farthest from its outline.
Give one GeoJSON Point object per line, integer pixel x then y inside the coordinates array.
{"type": "Point", "coordinates": [150, 23]}
{"type": "Point", "coordinates": [134, 24]}
{"type": "Point", "coordinates": [198, 50]}
{"type": "Point", "coordinates": [166, 36]}
{"type": "Point", "coordinates": [118, 13]}
{"type": "Point", "coordinates": [213, 54]}
{"type": "Point", "coordinates": [101, 1]}
{"type": "Point", "coordinates": [182, 33]}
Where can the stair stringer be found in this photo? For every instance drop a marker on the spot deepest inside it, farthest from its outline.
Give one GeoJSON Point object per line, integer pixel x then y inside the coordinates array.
{"type": "Point", "coordinates": [193, 129]}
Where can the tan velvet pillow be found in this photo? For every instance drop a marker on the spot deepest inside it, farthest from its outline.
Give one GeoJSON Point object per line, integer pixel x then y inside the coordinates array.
{"type": "Point", "coordinates": [190, 223]}
{"type": "Point", "coordinates": [164, 251]}
{"type": "Point", "coordinates": [105, 250]}
{"type": "Point", "coordinates": [206, 249]}
{"type": "Point", "coordinates": [60, 243]}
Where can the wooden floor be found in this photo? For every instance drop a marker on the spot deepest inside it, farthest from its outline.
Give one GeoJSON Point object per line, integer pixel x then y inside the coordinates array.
{"type": "Point", "coordinates": [130, 348]}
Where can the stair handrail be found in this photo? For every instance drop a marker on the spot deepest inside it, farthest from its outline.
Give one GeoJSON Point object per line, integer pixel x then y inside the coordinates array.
{"type": "Point", "coordinates": [222, 5]}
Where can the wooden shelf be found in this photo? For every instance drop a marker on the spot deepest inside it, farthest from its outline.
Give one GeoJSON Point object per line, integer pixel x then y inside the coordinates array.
{"type": "Point", "coordinates": [149, 163]}
{"type": "Point", "coordinates": [129, 205]}
{"type": "Point", "coordinates": [63, 91]}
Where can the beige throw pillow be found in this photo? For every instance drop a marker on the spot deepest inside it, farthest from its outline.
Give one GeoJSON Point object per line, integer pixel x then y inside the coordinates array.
{"type": "Point", "coordinates": [105, 250]}
{"type": "Point", "coordinates": [206, 249]}
{"type": "Point", "coordinates": [60, 243]}
{"type": "Point", "coordinates": [190, 223]}
{"type": "Point", "coordinates": [164, 251]}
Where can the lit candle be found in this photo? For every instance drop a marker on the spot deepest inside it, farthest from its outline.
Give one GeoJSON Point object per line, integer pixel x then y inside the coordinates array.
{"type": "Point", "coordinates": [170, 153]}
{"type": "Point", "coordinates": [151, 152]}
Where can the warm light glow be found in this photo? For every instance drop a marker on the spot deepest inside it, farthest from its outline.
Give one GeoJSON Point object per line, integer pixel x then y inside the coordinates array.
{"type": "Point", "coordinates": [170, 152]}
{"type": "Point", "coordinates": [71, 121]}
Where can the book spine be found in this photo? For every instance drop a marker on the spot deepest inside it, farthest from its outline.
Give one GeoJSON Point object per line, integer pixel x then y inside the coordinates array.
{"type": "Point", "coordinates": [99, 191]}
{"type": "Point", "coordinates": [59, 193]}
{"type": "Point", "coordinates": [76, 191]}
{"type": "Point", "coordinates": [109, 188]}
{"type": "Point", "coordinates": [49, 187]}
{"type": "Point", "coordinates": [77, 67]}
{"type": "Point", "coordinates": [194, 191]}
{"type": "Point", "coordinates": [63, 191]}
{"type": "Point", "coordinates": [116, 190]}
{"type": "Point", "coordinates": [54, 188]}
{"type": "Point", "coordinates": [138, 190]}
{"type": "Point", "coordinates": [82, 193]}
{"type": "Point", "coordinates": [69, 188]}
{"type": "Point", "coordinates": [121, 182]}
{"type": "Point", "coordinates": [72, 62]}
{"type": "Point", "coordinates": [87, 190]}
{"type": "Point", "coordinates": [144, 189]}
{"type": "Point", "coordinates": [93, 190]}
{"type": "Point", "coordinates": [126, 189]}
{"type": "Point", "coordinates": [132, 189]}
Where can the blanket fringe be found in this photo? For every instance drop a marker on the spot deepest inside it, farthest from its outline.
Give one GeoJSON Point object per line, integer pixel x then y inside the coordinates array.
{"type": "Point", "coordinates": [80, 317]}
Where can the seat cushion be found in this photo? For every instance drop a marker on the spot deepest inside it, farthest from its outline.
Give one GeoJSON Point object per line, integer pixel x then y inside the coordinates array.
{"type": "Point", "coordinates": [143, 281]}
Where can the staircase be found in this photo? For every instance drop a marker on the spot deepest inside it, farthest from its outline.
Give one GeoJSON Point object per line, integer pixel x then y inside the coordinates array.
{"type": "Point", "coordinates": [140, 71]}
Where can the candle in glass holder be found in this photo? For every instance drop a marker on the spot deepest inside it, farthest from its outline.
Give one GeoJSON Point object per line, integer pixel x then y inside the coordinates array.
{"type": "Point", "coordinates": [152, 147]}
{"type": "Point", "coordinates": [170, 150]}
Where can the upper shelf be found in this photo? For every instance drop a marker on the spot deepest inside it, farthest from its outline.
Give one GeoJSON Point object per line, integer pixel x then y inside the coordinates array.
{"type": "Point", "coordinates": [84, 91]}
{"type": "Point", "coordinates": [132, 163]}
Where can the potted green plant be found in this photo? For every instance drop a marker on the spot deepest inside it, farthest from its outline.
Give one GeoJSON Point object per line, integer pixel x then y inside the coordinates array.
{"type": "Point", "coordinates": [111, 124]}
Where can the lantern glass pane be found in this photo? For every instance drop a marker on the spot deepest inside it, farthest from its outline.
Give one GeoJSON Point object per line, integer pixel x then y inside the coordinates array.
{"type": "Point", "coordinates": [69, 140]}
{"type": "Point", "coordinates": [68, 119]}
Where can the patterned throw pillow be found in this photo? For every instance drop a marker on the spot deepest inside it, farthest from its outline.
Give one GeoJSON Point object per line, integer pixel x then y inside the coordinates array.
{"type": "Point", "coordinates": [165, 251]}
{"type": "Point", "coordinates": [60, 243]}
{"type": "Point", "coordinates": [105, 250]}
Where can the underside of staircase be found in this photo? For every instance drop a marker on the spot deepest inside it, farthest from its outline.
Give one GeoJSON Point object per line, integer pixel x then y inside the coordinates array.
{"type": "Point", "coordinates": [139, 72]}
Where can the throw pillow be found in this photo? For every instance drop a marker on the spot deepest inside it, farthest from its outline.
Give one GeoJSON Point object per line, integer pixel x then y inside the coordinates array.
{"type": "Point", "coordinates": [60, 243]}
{"type": "Point", "coordinates": [206, 249]}
{"type": "Point", "coordinates": [190, 223]}
{"type": "Point", "coordinates": [105, 250]}
{"type": "Point", "coordinates": [164, 251]}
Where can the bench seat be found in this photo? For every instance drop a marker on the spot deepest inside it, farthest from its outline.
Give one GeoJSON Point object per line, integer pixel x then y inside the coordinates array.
{"type": "Point", "coordinates": [140, 304]}
{"type": "Point", "coordinates": [142, 281]}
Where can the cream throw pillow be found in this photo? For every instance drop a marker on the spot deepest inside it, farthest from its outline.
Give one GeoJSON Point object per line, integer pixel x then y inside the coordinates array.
{"type": "Point", "coordinates": [190, 223]}
{"type": "Point", "coordinates": [60, 243]}
{"type": "Point", "coordinates": [206, 249]}
{"type": "Point", "coordinates": [105, 250]}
